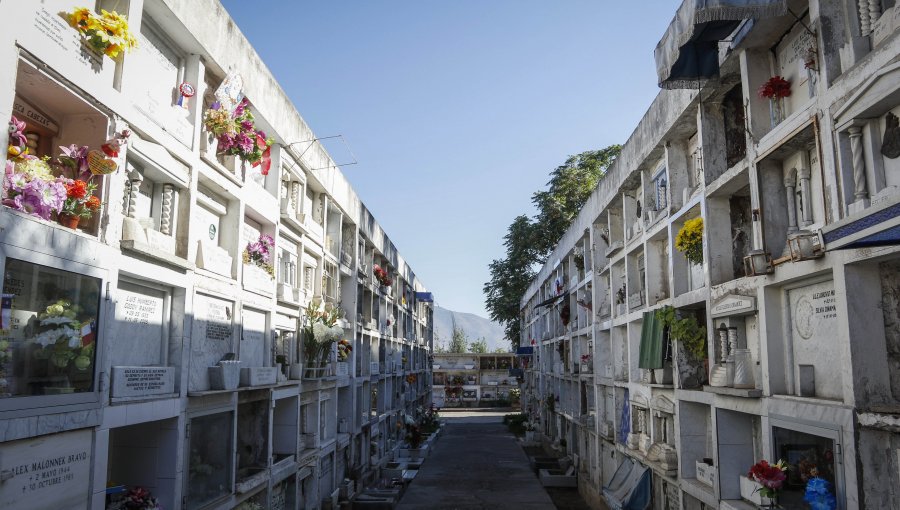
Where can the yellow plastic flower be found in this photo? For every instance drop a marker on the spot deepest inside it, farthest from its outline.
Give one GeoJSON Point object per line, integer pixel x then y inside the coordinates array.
{"type": "Point", "coordinates": [107, 33]}
{"type": "Point", "coordinates": [83, 19]}
{"type": "Point", "coordinates": [689, 240]}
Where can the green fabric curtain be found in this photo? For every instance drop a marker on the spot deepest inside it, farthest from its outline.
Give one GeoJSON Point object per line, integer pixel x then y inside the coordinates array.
{"type": "Point", "coordinates": [651, 353]}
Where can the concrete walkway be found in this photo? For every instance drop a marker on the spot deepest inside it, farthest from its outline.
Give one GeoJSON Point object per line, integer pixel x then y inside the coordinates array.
{"type": "Point", "coordinates": [476, 464]}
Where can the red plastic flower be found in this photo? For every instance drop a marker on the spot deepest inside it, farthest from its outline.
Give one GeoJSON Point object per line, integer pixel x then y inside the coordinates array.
{"type": "Point", "coordinates": [775, 87]}
{"type": "Point", "coordinates": [93, 203]}
{"type": "Point", "coordinates": [76, 189]}
{"type": "Point", "coordinates": [770, 476]}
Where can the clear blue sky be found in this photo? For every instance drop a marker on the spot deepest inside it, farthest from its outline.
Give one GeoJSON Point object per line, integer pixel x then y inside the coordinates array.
{"type": "Point", "coordinates": [458, 110]}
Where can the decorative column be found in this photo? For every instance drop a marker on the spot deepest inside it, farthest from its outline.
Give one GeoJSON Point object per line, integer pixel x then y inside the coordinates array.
{"type": "Point", "coordinates": [874, 12]}
{"type": "Point", "coordinates": [134, 184]}
{"type": "Point", "coordinates": [804, 174]}
{"type": "Point", "coordinates": [168, 199]}
{"type": "Point", "coordinates": [729, 361]}
{"type": "Point", "coordinates": [790, 183]}
{"type": "Point", "coordinates": [865, 23]}
{"type": "Point", "coordinates": [295, 196]}
{"type": "Point", "coordinates": [719, 376]}
{"type": "Point", "coordinates": [860, 191]}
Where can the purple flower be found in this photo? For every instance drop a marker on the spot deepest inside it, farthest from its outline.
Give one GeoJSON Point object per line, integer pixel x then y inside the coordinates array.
{"type": "Point", "coordinates": [239, 109]}
{"type": "Point", "coordinates": [226, 142]}
{"type": "Point", "coordinates": [246, 125]}
{"type": "Point", "coordinates": [15, 182]}
{"type": "Point", "coordinates": [215, 105]}
{"type": "Point", "coordinates": [75, 157]}
{"type": "Point", "coordinates": [267, 240]}
{"type": "Point", "coordinates": [244, 143]}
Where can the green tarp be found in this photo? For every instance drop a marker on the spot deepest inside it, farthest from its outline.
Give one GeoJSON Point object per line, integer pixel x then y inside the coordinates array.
{"type": "Point", "coordinates": [651, 353]}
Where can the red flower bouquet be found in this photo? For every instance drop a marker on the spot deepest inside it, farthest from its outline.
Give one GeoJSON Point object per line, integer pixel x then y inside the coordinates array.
{"type": "Point", "coordinates": [775, 87]}
{"type": "Point", "coordinates": [382, 276]}
{"type": "Point", "coordinates": [80, 200]}
{"type": "Point", "coordinates": [770, 476]}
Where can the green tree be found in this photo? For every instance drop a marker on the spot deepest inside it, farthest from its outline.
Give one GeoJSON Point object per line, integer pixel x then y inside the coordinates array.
{"type": "Point", "coordinates": [500, 350]}
{"type": "Point", "coordinates": [529, 241]}
{"type": "Point", "coordinates": [459, 343]}
{"type": "Point", "coordinates": [569, 187]}
{"type": "Point", "coordinates": [479, 346]}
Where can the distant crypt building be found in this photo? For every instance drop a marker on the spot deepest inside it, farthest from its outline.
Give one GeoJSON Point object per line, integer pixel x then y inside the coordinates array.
{"type": "Point", "coordinates": [157, 339]}
{"type": "Point", "coordinates": [730, 293]}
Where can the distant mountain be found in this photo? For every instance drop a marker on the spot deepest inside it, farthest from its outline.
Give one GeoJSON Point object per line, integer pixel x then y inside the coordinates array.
{"type": "Point", "coordinates": [475, 327]}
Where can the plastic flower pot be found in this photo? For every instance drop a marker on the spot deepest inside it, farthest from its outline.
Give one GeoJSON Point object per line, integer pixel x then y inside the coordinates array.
{"type": "Point", "coordinates": [68, 220]}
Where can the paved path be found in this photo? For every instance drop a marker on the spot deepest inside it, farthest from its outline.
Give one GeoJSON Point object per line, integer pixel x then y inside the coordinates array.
{"type": "Point", "coordinates": [476, 464]}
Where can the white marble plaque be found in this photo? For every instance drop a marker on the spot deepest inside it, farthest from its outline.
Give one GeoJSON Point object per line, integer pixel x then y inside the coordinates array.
{"type": "Point", "coordinates": [257, 279]}
{"type": "Point", "coordinates": [50, 34]}
{"type": "Point", "coordinates": [733, 304]}
{"type": "Point", "coordinates": [253, 338]}
{"type": "Point", "coordinates": [813, 311]}
{"type": "Point", "coordinates": [212, 337]}
{"type": "Point", "coordinates": [215, 259]}
{"type": "Point", "coordinates": [50, 471]}
{"type": "Point", "coordinates": [142, 381]}
{"type": "Point", "coordinates": [140, 327]}
{"type": "Point", "coordinates": [258, 376]}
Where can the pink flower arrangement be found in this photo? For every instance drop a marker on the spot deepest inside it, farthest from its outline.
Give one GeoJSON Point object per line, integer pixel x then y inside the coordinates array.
{"type": "Point", "coordinates": [237, 134]}
{"type": "Point", "coordinates": [29, 186]}
{"type": "Point", "coordinates": [259, 253]}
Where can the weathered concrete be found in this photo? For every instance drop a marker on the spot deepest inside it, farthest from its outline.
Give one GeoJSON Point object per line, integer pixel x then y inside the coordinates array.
{"type": "Point", "coordinates": [476, 464]}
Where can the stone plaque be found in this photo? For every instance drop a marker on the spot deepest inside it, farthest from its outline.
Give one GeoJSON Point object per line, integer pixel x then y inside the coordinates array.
{"type": "Point", "coordinates": [212, 337]}
{"type": "Point", "coordinates": [141, 326]}
{"type": "Point", "coordinates": [253, 338]}
{"type": "Point", "coordinates": [734, 304]}
{"type": "Point", "coordinates": [258, 376]}
{"type": "Point", "coordinates": [215, 259]}
{"type": "Point", "coordinates": [814, 320]}
{"type": "Point", "coordinates": [50, 34]}
{"type": "Point", "coordinates": [141, 381]}
{"type": "Point", "coordinates": [46, 472]}
{"type": "Point", "coordinates": [218, 320]}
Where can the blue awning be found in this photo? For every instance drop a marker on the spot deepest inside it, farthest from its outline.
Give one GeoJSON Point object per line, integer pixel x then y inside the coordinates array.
{"type": "Point", "coordinates": [425, 297]}
{"type": "Point", "coordinates": [876, 226]}
{"type": "Point", "coordinates": [525, 351]}
{"type": "Point", "coordinates": [688, 53]}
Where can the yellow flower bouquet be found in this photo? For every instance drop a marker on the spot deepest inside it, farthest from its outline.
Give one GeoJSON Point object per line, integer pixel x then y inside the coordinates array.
{"type": "Point", "coordinates": [689, 240]}
{"type": "Point", "coordinates": [107, 33]}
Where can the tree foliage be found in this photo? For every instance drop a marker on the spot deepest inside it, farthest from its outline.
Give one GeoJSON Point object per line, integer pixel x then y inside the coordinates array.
{"type": "Point", "coordinates": [479, 346]}
{"type": "Point", "coordinates": [529, 241]}
{"type": "Point", "coordinates": [459, 342]}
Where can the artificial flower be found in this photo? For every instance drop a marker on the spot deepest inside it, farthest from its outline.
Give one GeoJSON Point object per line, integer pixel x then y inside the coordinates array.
{"type": "Point", "coordinates": [689, 240]}
{"type": "Point", "coordinates": [775, 87]}
{"type": "Point", "coordinates": [107, 33]}
{"type": "Point", "coordinates": [93, 203]}
{"type": "Point", "coordinates": [74, 157]}
{"type": "Point", "coordinates": [770, 476]}
{"type": "Point", "coordinates": [259, 253]}
{"type": "Point", "coordinates": [818, 495]}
